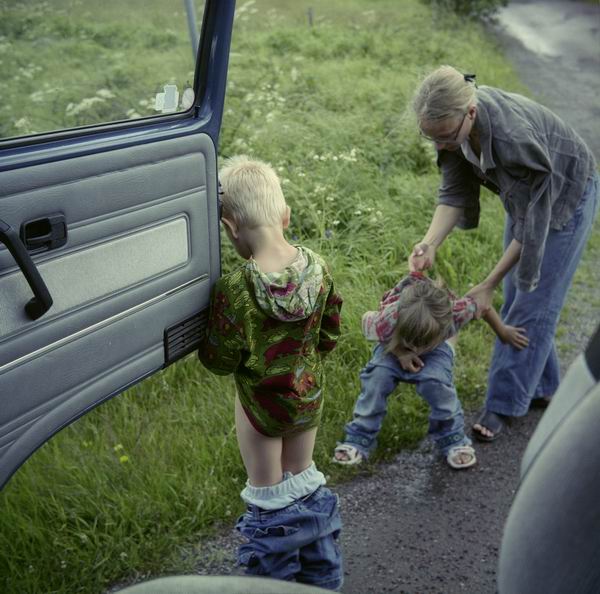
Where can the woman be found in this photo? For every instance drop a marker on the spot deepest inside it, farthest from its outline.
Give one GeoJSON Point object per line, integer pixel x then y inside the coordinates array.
{"type": "Point", "coordinates": [546, 178]}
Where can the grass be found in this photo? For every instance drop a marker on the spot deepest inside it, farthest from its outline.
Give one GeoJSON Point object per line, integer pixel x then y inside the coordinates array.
{"type": "Point", "coordinates": [66, 64]}
{"type": "Point", "coordinates": [121, 494]}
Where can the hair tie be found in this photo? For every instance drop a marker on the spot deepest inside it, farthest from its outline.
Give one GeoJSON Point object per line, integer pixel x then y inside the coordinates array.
{"type": "Point", "coordinates": [470, 78]}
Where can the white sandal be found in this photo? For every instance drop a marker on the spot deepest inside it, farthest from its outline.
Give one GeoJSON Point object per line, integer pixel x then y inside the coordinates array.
{"type": "Point", "coordinates": [454, 457]}
{"type": "Point", "coordinates": [352, 454]}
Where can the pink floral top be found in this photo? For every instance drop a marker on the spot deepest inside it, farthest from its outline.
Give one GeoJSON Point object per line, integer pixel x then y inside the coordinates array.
{"type": "Point", "coordinates": [379, 325]}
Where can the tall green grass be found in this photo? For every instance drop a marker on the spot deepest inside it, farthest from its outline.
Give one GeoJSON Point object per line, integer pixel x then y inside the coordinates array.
{"type": "Point", "coordinates": [69, 63]}
{"type": "Point", "coordinates": [123, 492]}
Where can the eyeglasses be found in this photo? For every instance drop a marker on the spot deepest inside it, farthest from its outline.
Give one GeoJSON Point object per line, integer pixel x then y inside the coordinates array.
{"type": "Point", "coordinates": [450, 138]}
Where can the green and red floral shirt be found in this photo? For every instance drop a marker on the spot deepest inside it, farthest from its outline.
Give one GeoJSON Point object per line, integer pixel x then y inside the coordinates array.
{"type": "Point", "coordinates": [272, 331]}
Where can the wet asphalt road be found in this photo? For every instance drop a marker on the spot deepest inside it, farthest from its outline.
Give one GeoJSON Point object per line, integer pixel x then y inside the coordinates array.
{"type": "Point", "coordinates": [415, 526]}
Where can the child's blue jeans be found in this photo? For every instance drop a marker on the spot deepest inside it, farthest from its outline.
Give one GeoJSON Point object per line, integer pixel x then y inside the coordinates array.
{"type": "Point", "coordinates": [297, 543]}
{"type": "Point", "coordinates": [516, 377]}
{"type": "Point", "coordinates": [433, 382]}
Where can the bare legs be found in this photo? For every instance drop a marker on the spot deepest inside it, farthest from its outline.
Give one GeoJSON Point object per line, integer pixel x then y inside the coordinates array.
{"type": "Point", "coordinates": [267, 458]}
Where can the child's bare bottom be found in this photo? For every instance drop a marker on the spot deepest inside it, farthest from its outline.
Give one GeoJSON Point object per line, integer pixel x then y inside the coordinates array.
{"type": "Point", "coordinates": [267, 458]}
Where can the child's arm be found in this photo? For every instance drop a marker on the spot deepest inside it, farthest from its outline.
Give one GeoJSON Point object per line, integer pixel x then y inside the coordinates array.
{"type": "Point", "coordinates": [466, 309]}
{"type": "Point", "coordinates": [507, 334]}
{"type": "Point", "coordinates": [330, 323]}
{"type": "Point", "coordinates": [221, 350]}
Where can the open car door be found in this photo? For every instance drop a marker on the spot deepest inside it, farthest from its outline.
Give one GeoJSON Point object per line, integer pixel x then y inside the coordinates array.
{"type": "Point", "coordinates": [109, 230]}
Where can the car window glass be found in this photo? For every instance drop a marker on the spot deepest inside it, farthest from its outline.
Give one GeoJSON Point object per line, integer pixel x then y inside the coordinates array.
{"type": "Point", "coordinates": [71, 63]}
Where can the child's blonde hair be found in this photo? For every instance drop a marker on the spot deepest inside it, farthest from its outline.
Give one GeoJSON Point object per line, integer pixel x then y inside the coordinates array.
{"type": "Point", "coordinates": [424, 317]}
{"type": "Point", "coordinates": [251, 192]}
{"type": "Point", "coordinates": [444, 93]}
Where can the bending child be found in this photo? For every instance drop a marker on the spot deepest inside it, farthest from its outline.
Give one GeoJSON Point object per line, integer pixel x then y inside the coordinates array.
{"type": "Point", "coordinates": [272, 322]}
{"type": "Point", "coordinates": [414, 329]}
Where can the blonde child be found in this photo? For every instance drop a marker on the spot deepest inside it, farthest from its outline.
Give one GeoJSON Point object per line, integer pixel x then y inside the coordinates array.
{"type": "Point", "coordinates": [272, 322]}
{"type": "Point", "coordinates": [415, 329]}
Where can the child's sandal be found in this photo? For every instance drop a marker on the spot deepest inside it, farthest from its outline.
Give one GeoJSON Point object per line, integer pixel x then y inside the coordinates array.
{"type": "Point", "coordinates": [353, 456]}
{"type": "Point", "coordinates": [456, 457]}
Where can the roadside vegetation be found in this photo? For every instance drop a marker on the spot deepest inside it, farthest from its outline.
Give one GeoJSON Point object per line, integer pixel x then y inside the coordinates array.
{"type": "Point", "coordinates": [126, 491]}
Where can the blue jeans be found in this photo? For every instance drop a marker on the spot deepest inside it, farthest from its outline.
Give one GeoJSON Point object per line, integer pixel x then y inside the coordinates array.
{"type": "Point", "coordinates": [297, 543]}
{"type": "Point", "coordinates": [517, 377]}
{"type": "Point", "coordinates": [433, 382]}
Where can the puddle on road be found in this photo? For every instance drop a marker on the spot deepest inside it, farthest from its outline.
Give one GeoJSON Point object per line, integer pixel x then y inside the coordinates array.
{"type": "Point", "coordinates": [555, 29]}
{"type": "Point", "coordinates": [414, 473]}
{"type": "Point", "coordinates": [526, 34]}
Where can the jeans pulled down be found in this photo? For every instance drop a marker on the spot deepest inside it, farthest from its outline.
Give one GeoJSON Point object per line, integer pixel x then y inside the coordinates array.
{"type": "Point", "coordinates": [517, 377]}
{"type": "Point", "coordinates": [297, 543]}
{"type": "Point", "coordinates": [434, 383]}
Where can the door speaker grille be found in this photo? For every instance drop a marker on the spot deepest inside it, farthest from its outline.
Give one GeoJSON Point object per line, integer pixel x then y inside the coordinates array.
{"type": "Point", "coordinates": [184, 337]}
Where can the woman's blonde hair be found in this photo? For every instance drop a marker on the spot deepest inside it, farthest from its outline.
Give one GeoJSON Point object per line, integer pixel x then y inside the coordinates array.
{"type": "Point", "coordinates": [251, 192]}
{"type": "Point", "coordinates": [445, 93]}
{"type": "Point", "coordinates": [424, 317]}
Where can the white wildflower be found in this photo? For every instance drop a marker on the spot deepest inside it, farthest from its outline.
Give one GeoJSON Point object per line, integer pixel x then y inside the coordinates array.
{"type": "Point", "coordinates": [22, 124]}
{"type": "Point", "coordinates": [37, 96]}
{"type": "Point", "coordinates": [83, 105]}
{"type": "Point", "coordinates": [105, 94]}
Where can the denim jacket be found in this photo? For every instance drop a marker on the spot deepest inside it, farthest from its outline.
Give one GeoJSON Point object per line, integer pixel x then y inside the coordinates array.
{"type": "Point", "coordinates": [536, 163]}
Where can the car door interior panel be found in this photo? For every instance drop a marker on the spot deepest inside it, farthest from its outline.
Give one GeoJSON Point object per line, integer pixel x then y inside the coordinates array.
{"type": "Point", "coordinates": [109, 227]}
{"type": "Point", "coordinates": [129, 288]}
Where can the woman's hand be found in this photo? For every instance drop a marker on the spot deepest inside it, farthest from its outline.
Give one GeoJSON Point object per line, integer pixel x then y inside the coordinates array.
{"type": "Point", "coordinates": [410, 362]}
{"type": "Point", "coordinates": [483, 295]}
{"type": "Point", "coordinates": [422, 257]}
{"type": "Point", "coordinates": [515, 337]}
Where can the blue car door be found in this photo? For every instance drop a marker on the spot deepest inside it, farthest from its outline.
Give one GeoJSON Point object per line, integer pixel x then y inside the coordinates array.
{"type": "Point", "coordinates": [109, 224]}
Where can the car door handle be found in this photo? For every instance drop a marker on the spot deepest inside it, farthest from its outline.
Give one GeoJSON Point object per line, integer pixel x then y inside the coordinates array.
{"type": "Point", "coordinates": [38, 305]}
{"type": "Point", "coordinates": [48, 233]}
